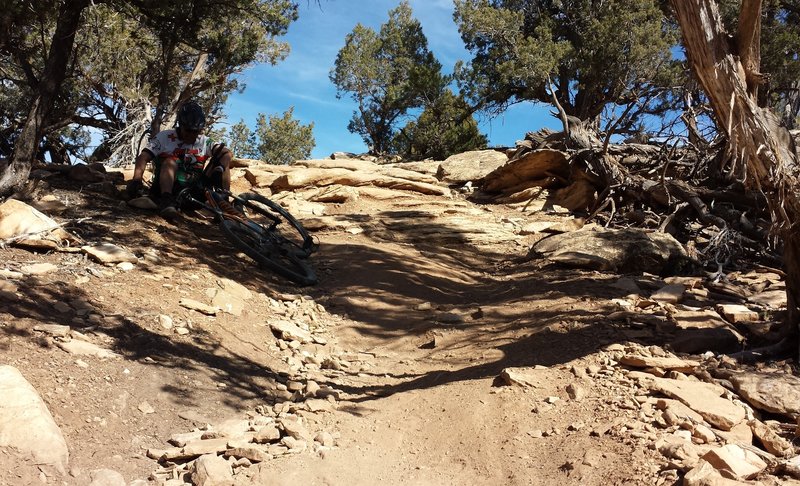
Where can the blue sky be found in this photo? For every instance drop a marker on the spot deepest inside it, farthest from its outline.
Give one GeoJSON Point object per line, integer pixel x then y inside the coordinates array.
{"type": "Point", "coordinates": [302, 79]}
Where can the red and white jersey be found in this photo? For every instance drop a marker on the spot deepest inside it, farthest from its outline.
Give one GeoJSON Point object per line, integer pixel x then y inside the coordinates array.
{"type": "Point", "coordinates": [167, 144]}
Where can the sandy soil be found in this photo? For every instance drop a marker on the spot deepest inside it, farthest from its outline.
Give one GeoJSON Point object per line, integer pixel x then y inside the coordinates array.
{"type": "Point", "coordinates": [422, 326]}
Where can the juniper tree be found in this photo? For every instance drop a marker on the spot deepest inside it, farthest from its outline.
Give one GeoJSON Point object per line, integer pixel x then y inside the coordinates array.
{"type": "Point", "coordinates": [596, 53]}
{"type": "Point", "coordinates": [283, 139]}
{"type": "Point", "coordinates": [387, 73]}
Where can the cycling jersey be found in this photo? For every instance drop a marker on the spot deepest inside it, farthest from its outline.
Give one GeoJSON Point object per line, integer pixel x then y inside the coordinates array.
{"type": "Point", "coordinates": [190, 156]}
{"type": "Point", "coordinates": [168, 145]}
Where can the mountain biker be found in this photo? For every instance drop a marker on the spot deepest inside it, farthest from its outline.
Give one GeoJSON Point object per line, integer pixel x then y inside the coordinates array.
{"type": "Point", "coordinates": [185, 142]}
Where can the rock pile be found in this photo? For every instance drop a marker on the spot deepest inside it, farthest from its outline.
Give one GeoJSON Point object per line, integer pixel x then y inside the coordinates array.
{"type": "Point", "coordinates": [217, 454]}
{"type": "Point", "coordinates": [695, 314]}
{"type": "Point", "coordinates": [223, 452]}
{"type": "Point", "coordinates": [698, 414]}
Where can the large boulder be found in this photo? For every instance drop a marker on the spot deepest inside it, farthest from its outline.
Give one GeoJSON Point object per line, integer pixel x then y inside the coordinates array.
{"type": "Point", "coordinates": [470, 166]}
{"type": "Point", "coordinates": [624, 250]}
{"type": "Point", "coordinates": [316, 177]}
{"type": "Point", "coordinates": [30, 227]}
{"type": "Point", "coordinates": [773, 393]}
{"type": "Point", "coordinates": [26, 425]}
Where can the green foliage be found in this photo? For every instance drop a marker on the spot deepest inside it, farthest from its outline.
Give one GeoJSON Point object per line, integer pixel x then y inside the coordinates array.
{"type": "Point", "coordinates": [596, 53]}
{"type": "Point", "coordinates": [136, 61]}
{"type": "Point", "coordinates": [282, 139]}
{"type": "Point", "coordinates": [242, 141]}
{"type": "Point", "coordinates": [386, 73]}
{"type": "Point", "coordinates": [444, 128]}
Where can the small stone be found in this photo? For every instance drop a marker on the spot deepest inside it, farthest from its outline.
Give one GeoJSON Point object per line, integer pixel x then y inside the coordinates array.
{"type": "Point", "coordinates": [576, 392]}
{"type": "Point", "coordinates": [210, 470]}
{"type": "Point", "coordinates": [6, 273]}
{"type": "Point", "coordinates": [737, 313]}
{"type": "Point", "coordinates": [676, 364]}
{"type": "Point", "coordinates": [703, 398]}
{"type": "Point", "coordinates": [38, 269]}
{"type": "Point", "coordinates": [705, 434]}
{"type": "Point", "coordinates": [125, 266]}
{"type": "Point", "coordinates": [79, 347]}
{"type": "Point", "coordinates": [294, 444]}
{"type": "Point", "coordinates": [773, 392]}
{"type": "Point", "coordinates": [312, 387]}
{"type": "Point", "coordinates": [670, 418]}
{"type": "Point", "coordinates": [741, 462]}
{"type": "Point", "coordinates": [182, 331]}
{"type": "Point", "coordinates": [252, 454]}
{"type": "Point", "coordinates": [165, 321]}
{"type": "Point", "coordinates": [592, 458]}
{"type": "Point", "coordinates": [109, 253]}
{"type": "Point", "coordinates": [81, 363]}
{"type": "Point", "coordinates": [268, 433]}
{"type": "Point", "coordinates": [551, 400]}
{"type": "Point", "coordinates": [198, 306]}
{"type": "Point", "coordinates": [290, 331]}
{"type": "Point", "coordinates": [55, 330]}
{"type": "Point", "coordinates": [579, 372]}
{"type": "Point", "coordinates": [524, 376]}
{"type": "Point", "coordinates": [226, 301]}
{"type": "Point", "coordinates": [670, 294]}
{"type": "Point", "coordinates": [294, 428]}
{"type": "Point", "coordinates": [773, 443]}
{"type": "Point", "coordinates": [704, 474]}
{"type": "Point", "coordinates": [325, 439]}
{"type": "Point", "coordinates": [318, 405]}
{"type": "Point", "coordinates": [106, 477]}
{"type": "Point", "coordinates": [576, 426]}
{"type": "Point", "coordinates": [146, 408]}
{"type": "Point", "coordinates": [180, 440]}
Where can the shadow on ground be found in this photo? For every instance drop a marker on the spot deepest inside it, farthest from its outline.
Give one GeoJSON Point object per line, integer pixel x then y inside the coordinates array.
{"type": "Point", "coordinates": [530, 314]}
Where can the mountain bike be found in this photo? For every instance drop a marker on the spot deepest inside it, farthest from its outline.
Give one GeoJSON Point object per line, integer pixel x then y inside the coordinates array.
{"type": "Point", "coordinates": [259, 227]}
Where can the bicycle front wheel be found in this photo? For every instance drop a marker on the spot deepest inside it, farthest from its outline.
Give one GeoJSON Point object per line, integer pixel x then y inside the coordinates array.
{"type": "Point", "coordinates": [258, 236]}
{"type": "Point", "coordinates": [287, 230]}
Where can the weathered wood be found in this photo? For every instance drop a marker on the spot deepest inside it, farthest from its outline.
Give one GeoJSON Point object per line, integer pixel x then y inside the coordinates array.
{"type": "Point", "coordinates": [518, 174]}
{"type": "Point", "coordinates": [764, 149]}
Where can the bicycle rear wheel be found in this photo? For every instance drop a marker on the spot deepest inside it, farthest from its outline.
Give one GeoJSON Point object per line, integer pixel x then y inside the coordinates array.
{"type": "Point", "coordinates": [257, 235]}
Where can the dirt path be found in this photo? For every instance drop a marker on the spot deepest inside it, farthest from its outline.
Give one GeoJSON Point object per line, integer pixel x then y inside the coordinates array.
{"type": "Point", "coordinates": [414, 329]}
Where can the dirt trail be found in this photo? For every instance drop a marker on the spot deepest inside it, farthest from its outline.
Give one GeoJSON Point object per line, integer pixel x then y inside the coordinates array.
{"type": "Point", "coordinates": [421, 325]}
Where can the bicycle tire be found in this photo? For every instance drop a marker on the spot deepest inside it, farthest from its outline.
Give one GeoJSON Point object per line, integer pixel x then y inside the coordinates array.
{"type": "Point", "coordinates": [268, 247]}
{"type": "Point", "coordinates": [261, 209]}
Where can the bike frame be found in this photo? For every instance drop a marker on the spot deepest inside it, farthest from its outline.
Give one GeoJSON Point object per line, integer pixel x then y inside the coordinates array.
{"type": "Point", "coordinates": [186, 195]}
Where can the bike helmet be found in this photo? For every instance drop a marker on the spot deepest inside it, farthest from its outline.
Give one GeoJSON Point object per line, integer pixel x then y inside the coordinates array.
{"type": "Point", "coordinates": [191, 116]}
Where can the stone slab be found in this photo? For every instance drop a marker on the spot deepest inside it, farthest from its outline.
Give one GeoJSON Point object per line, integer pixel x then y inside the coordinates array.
{"type": "Point", "coordinates": [704, 398]}
{"type": "Point", "coordinates": [26, 424]}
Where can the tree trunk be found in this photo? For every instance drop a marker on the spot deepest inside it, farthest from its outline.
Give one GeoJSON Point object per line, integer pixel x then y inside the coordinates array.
{"type": "Point", "coordinates": [46, 91]}
{"type": "Point", "coordinates": [169, 44]}
{"type": "Point", "coordinates": [728, 71]}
